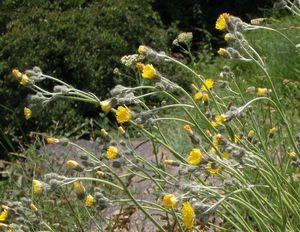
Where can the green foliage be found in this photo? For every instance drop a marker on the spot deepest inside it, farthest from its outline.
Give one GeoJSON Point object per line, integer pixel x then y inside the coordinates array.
{"type": "Point", "coordinates": [78, 41]}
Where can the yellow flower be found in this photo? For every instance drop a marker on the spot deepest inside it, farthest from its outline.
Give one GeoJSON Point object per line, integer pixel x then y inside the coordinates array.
{"type": "Point", "coordinates": [17, 73]}
{"type": "Point", "coordinates": [251, 133]}
{"type": "Point", "coordinates": [89, 200]}
{"type": "Point", "coordinates": [27, 113]}
{"type": "Point", "coordinates": [142, 49]}
{"type": "Point", "coordinates": [222, 52]}
{"type": "Point", "coordinates": [193, 86]}
{"type": "Point", "coordinates": [205, 98]}
{"type": "Point", "coordinates": [222, 21]}
{"type": "Point", "coordinates": [112, 152]}
{"type": "Point", "coordinates": [139, 66]}
{"type": "Point", "coordinates": [72, 164]}
{"type": "Point", "coordinates": [261, 91]}
{"type": "Point", "coordinates": [293, 155]}
{"type": "Point", "coordinates": [236, 139]}
{"type": "Point", "coordinates": [169, 200]}
{"type": "Point", "coordinates": [33, 207]}
{"type": "Point", "coordinates": [24, 80]}
{"type": "Point", "coordinates": [3, 215]}
{"type": "Point", "coordinates": [78, 187]}
{"type": "Point", "coordinates": [198, 96]}
{"type": "Point", "coordinates": [208, 133]}
{"type": "Point", "coordinates": [226, 155]}
{"type": "Point", "coordinates": [188, 214]}
{"type": "Point", "coordinates": [105, 105]}
{"type": "Point", "coordinates": [123, 114]}
{"type": "Point", "coordinates": [272, 132]}
{"type": "Point", "coordinates": [51, 140]}
{"type": "Point", "coordinates": [214, 123]}
{"type": "Point", "coordinates": [187, 128]}
{"type": "Point", "coordinates": [213, 168]}
{"type": "Point", "coordinates": [195, 157]}
{"type": "Point", "coordinates": [222, 118]}
{"type": "Point", "coordinates": [37, 187]}
{"type": "Point", "coordinates": [209, 84]}
{"type": "Point", "coordinates": [149, 71]}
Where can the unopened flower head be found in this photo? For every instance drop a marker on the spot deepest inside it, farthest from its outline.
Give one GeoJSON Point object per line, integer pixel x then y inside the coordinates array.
{"type": "Point", "coordinates": [169, 200]}
{"type": "Point", "coordinates": [142, 50]}
{"type": "Point", "coordinates": [229, 37]}
{"type": "Point", "coordinates": [73, 165]}
{"type": "Point", "coordinates": [293, 155]}
{"type": "Point", "coordinates": [149, 71]}
{"type": "Point", "coordinates": [37, 187]}
{"type": "Point", "coordinates": [188, 214]}
{"type": "Point", "coordinates": [106, 105]}
{"type": "Point", "coordinates": [51, 140]}
{"type": "Point", "coordinates": [17, 73]}
{"type": "Point", "coordinates": [33, 207]}
{"type": "Point", "coordinates": [195, 157]}
{"type": "Point", "coordinates": [121, 130]}
{"type": "Point", "coordinates": [27, 113]}
{"type": "Point", "coordinates": [272, 132]}
{"type": "Point", "coordinates": [79, 189]}
{"type": "Point", "coordinates": [112, 152]}
{"type": "Point", "coordinates": [171, 163]}
{"type": "Point", "coordinates": [222, 21]}
{"type": "Point", "coordinates": [123, 114]}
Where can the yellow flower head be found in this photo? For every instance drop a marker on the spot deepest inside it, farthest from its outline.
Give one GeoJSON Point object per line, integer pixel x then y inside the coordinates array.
{"type": "Point", "coordinates": [171, 163]}
{"type": "Point", "coordinates": [89, 200]}
{"type": "Point", "coordinates": [222, 21]}
{"type": "Point", "coordinates": [213, 168]}
{"type": "Point", "coordinates": [17, 73]}
{"type": "Point", "coordinates": [37, 187]}
{"type": "Point", "coordinates": [24, 80]}
{"type": "Point", "coordinates": [3, 214]}
{"type": "Point", "coordinates": [78, 187]}
{"type": "Point", "coordinates": [198, 96]}
{"type": "Point", "coordinates": [149, 71]}
{"type": "Point", "coordinates": [105, 105]}
{"type": "Point", "coordinates": [293, 155]}
{"type": "Point", "coordinates": [27, 113]}
{"type": "Point", "coordinates": [112, 152]}
{"type": "Point", "coordinates": [251, 133]}
{"type": "Point", "coordinates": [51, 140]}
{"type": "Point", "coordinates": [261, 91]}
{"type": "Point", "coordinates": [169, 200]}
{"type": "Point", "coordinates": [188, 214]}
{"type": "Point", "coordinates": [205, 98]}
{"type": "Point", "coordinates": [195, 157]}
{"type": "Point", "coordinates": [103, 132]}
{"type": "Point", "coordinates": [208, 133]}
{"type": "Point", "coordinates": [226, 155]}
{"type": "Point", "coordinates": [123, 114]}
{"type": "Point", "coordinates": [187, 128]}
{"type": "Point", "coordinates": [272, 131]}
{"type": "Point", "coordinates": [209, 84]}
{"type": "Point", "coordinates": [121, 130]}
{"type": "Point", "coordinates": [33, 207]}
{"type": "Point", "coordinates": [222, 118]}
{"type": "Point", "coordinates": [72, 164]}
{"type": "Point", "coordinates": [193, 86]}
{"type": "Point", "coordinates": [222, 51]}
{"type": "Point", "coordinates": [139, 66]}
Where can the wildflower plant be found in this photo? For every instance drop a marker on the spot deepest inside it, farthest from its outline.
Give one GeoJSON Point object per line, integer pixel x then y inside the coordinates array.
{"type": "Point", "coordinates": [235, 169]}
